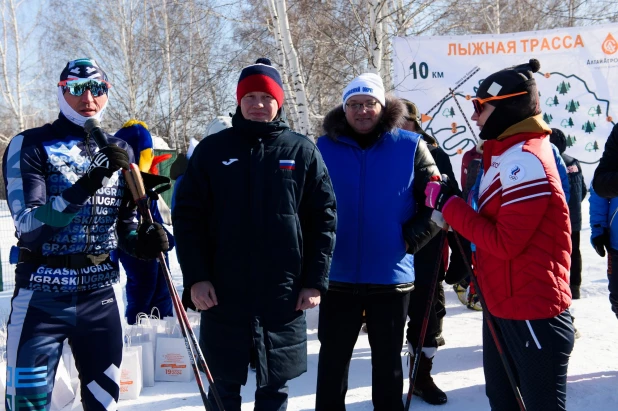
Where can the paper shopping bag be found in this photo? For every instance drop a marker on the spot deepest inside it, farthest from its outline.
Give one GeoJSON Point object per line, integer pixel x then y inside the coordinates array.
{"type": "Point", "coordinates": [172, 360]}
{"type": "Point", "coordinates": [131, 373]}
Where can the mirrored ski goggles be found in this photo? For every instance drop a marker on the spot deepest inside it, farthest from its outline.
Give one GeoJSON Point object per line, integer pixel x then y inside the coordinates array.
{"type": "Point", "coordinates": [77, 87]}
{"type": "Point", "coordinates": [478, 102]}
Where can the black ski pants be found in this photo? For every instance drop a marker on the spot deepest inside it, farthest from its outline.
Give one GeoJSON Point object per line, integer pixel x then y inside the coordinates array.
{"type": "Point", "coordinates": [576, 261]}
{"type": "Point", "coordinates": [419, 297]}
{"type": "Point", "coordinates": [340, 322]}
{"type": "Point", "coordinates": [267, 397]}
{"type": "Point", "coordinates": [538, 352]}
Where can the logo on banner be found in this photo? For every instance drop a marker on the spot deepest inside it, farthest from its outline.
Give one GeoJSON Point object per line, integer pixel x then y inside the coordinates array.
{"type": "Point", "coordinates": [610, 46]}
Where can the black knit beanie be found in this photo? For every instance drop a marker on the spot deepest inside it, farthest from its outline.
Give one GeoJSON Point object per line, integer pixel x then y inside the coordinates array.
{"type": "Point", "coordinates": [558, 139]}
{"type": "Point", "coordinates": [510, 110]}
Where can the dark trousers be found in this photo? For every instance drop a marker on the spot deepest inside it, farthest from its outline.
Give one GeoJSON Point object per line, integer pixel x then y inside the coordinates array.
{"type": "Point", "coordinates": [40, 322]}
{"type": "Point", "coordinates": [612, 276]}
{"type": "Point", "coordinates": [416, 311]}
{"type": "Point", "coordinates": [340, 322]}
{"type": "Point", "coordinates": [267, 398]}
{"type": "Point", "coordinates": [538, 352]}
{"type": "Point", "coordinates": [576, 261]}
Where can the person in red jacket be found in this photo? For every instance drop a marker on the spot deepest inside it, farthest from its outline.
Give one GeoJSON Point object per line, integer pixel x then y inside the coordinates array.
{"type": "Point", "coordinates": [523, 240]}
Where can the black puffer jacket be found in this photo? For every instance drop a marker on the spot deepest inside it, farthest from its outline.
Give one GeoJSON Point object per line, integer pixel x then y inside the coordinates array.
{"type": "Point", "coordinates": [255, 214]}
{"type": "Point", "coordinates": [426, 258]}
{"type": "Point", "coordinates": [578, 190]}
{"type": "Point", "coordinates": [605, 180]}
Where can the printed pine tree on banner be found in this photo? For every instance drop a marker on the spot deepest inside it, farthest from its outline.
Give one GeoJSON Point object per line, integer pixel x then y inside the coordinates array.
{"type": "Point", "coordinates": [572, 106]}
{"type": "Point", "coordinates": [595, 146]}
{"type": "Point", "coordinates": [589, 127]}
{"type": "Point", "coordinates": [547, 118]}
{"type": "Point", "coordinates": [563, 88]}
{"type": "Point", "coordinates": [569, 141]}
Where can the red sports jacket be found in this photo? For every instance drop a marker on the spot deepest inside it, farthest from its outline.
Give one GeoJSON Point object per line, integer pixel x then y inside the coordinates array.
{"type": "Point", "coordinates": [522, 230]}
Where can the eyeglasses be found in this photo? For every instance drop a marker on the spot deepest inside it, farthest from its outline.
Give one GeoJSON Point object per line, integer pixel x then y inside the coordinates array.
{"type": "Point", "coordinates": [369, 105]}
{"type": "Point", "coordinates": [77, 87]}
{"type": "Point", "coordinates": [478, 102]}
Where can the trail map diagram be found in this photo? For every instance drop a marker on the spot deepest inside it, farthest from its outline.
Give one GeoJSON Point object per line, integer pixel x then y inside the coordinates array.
{"type": "Point", "coordinates": [577, 83]}
{"type": "Point", "coordinates": [566, 101]}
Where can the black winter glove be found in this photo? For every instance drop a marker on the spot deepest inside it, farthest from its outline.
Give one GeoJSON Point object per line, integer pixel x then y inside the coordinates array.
{"type": "Point", "coordinates": [104, 164]}
{"type": "Point", "coordinates": [601, 242]}
{"type": "Point", "coordinates": [151, 240]}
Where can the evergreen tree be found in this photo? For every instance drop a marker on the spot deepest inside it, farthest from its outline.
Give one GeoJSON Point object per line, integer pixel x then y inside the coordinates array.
{"type": "Point", "coordinates": [569, 141]}
{"type": "Point", "coordinates": [571, 124]}
{"type": "Point", "coordinates": [595, 146]}
{"type": "Point", "coordinates": [599, 110]}
{"type": "Point", "coordinates": [571, 107]}
{"type": "Point", "coordinates": [555, 100]}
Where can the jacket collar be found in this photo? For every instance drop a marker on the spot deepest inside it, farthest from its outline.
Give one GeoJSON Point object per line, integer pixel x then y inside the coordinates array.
{"type": "Point", "coordinates": [534, 124]}
{"type": "Point", "coordinates": [335, 124]}
{"type": "Point", "coordinates": [253, 130]}
{"type": "Point", "coordinates": [532, 127]}
{"type": "Point", "coordinates": [67, 127]}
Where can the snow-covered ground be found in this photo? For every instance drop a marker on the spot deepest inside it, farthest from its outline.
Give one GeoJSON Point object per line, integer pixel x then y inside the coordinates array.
{"type": "Point", "coordinates": [593, 369]}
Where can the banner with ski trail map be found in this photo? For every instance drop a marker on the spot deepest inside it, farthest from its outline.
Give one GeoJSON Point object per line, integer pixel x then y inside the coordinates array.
{"type": "Point", "coordinates": [577, 82]}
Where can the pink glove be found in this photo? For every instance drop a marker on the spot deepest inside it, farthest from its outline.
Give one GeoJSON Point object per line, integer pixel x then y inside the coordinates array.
{"type": "Point", "coordinates": [432, 192]}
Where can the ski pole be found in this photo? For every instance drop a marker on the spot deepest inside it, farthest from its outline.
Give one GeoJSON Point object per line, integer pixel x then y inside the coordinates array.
{"type": "Point", "coordinates": [421, 338]}
{"type": "Point", "coordinates": [492, 326]}
{"type": "Point", "coordinates": [136, 186]}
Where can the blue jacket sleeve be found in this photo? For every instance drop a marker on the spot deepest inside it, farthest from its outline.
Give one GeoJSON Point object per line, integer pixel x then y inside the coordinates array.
{"type": "Point", "coordinates": [599, 210]}
{"type": "Point", "coordinates": [562, 170]}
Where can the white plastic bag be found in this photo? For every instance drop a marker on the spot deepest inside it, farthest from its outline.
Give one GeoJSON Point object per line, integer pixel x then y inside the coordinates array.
{"type": "Point", "coordinates": [131, 373]}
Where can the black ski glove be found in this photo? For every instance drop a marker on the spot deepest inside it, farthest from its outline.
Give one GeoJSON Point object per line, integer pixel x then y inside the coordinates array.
{"type": "Point", "coordinates": [601, 242]}
{"type": "Point", "coordinates": [151, 240]}
{"type": "Point", "coordinates": [104, 164]}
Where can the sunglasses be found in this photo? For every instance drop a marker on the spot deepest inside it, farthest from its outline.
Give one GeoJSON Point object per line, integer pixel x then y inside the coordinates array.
{"type": "Point", "coordinates": [478, 102]}
{"type": "Point", "coordinates": [77, 87]}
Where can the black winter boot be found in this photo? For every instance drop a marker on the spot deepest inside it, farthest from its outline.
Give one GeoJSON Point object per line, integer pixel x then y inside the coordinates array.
{"type": "Point", "coordinates": [424, 387]}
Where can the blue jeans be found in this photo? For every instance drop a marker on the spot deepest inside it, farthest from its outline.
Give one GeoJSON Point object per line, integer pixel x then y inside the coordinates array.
{"type": "Point", "coordinates": [267, 398]}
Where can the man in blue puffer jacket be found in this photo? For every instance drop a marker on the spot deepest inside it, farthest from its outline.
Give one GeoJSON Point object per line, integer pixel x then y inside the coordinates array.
{"type": "Point", "coordinates": [379, 172]}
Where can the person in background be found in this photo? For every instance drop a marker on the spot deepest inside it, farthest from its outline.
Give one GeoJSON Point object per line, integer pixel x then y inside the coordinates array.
{"type": "Point", "coordinates": [577, 193]}
{"type": "Point", "coordinates": [254, 220]}
{"type": "Point", "coordinates": [146, 287]}
{"type": "Point", "coordinates": [66, 195]}
{"type": "Point", "coordinates": [424, 267]}
{"type": "Point", "coordinates": [605, 185]}
{"type": "Point", "coordinates": [379, 172]}
{"type": "Point", "coordinates": [522, 235]}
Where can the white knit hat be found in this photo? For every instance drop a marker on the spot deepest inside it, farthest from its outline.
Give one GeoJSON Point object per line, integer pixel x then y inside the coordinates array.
{"type": "Point", "coordinates": [369, 84]}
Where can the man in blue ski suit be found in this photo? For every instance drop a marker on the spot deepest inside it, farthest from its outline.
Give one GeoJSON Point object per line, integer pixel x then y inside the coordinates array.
{"type": "Point", "coordinates": [65, 195]}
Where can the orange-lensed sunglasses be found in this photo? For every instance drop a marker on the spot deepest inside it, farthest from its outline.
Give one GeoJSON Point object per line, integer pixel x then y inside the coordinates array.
{"type": "Point", "coordinates": [478, 102]}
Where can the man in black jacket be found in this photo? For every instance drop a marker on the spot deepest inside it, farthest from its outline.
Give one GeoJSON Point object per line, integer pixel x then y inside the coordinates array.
{"type": "Point", "coordinates": [424, 266]}
{"type": "Point", "coordinates": [577, 187]}
{"type": "Point", "coordinates": [254, 221]}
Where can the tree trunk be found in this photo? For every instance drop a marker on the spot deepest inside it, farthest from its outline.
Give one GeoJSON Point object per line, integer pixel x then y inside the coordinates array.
{"type": "Point", "coordinates": [304, 125]}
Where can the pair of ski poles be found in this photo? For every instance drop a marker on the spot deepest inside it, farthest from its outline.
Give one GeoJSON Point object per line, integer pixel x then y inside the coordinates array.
{"type": "Point", "coordinates": [489, 320]}
{"type": "Point", "coordinates": [138, 192]}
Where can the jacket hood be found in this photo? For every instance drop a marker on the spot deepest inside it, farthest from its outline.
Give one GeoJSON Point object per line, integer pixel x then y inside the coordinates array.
{"type": "Point", "coordinates": [393, 116]}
